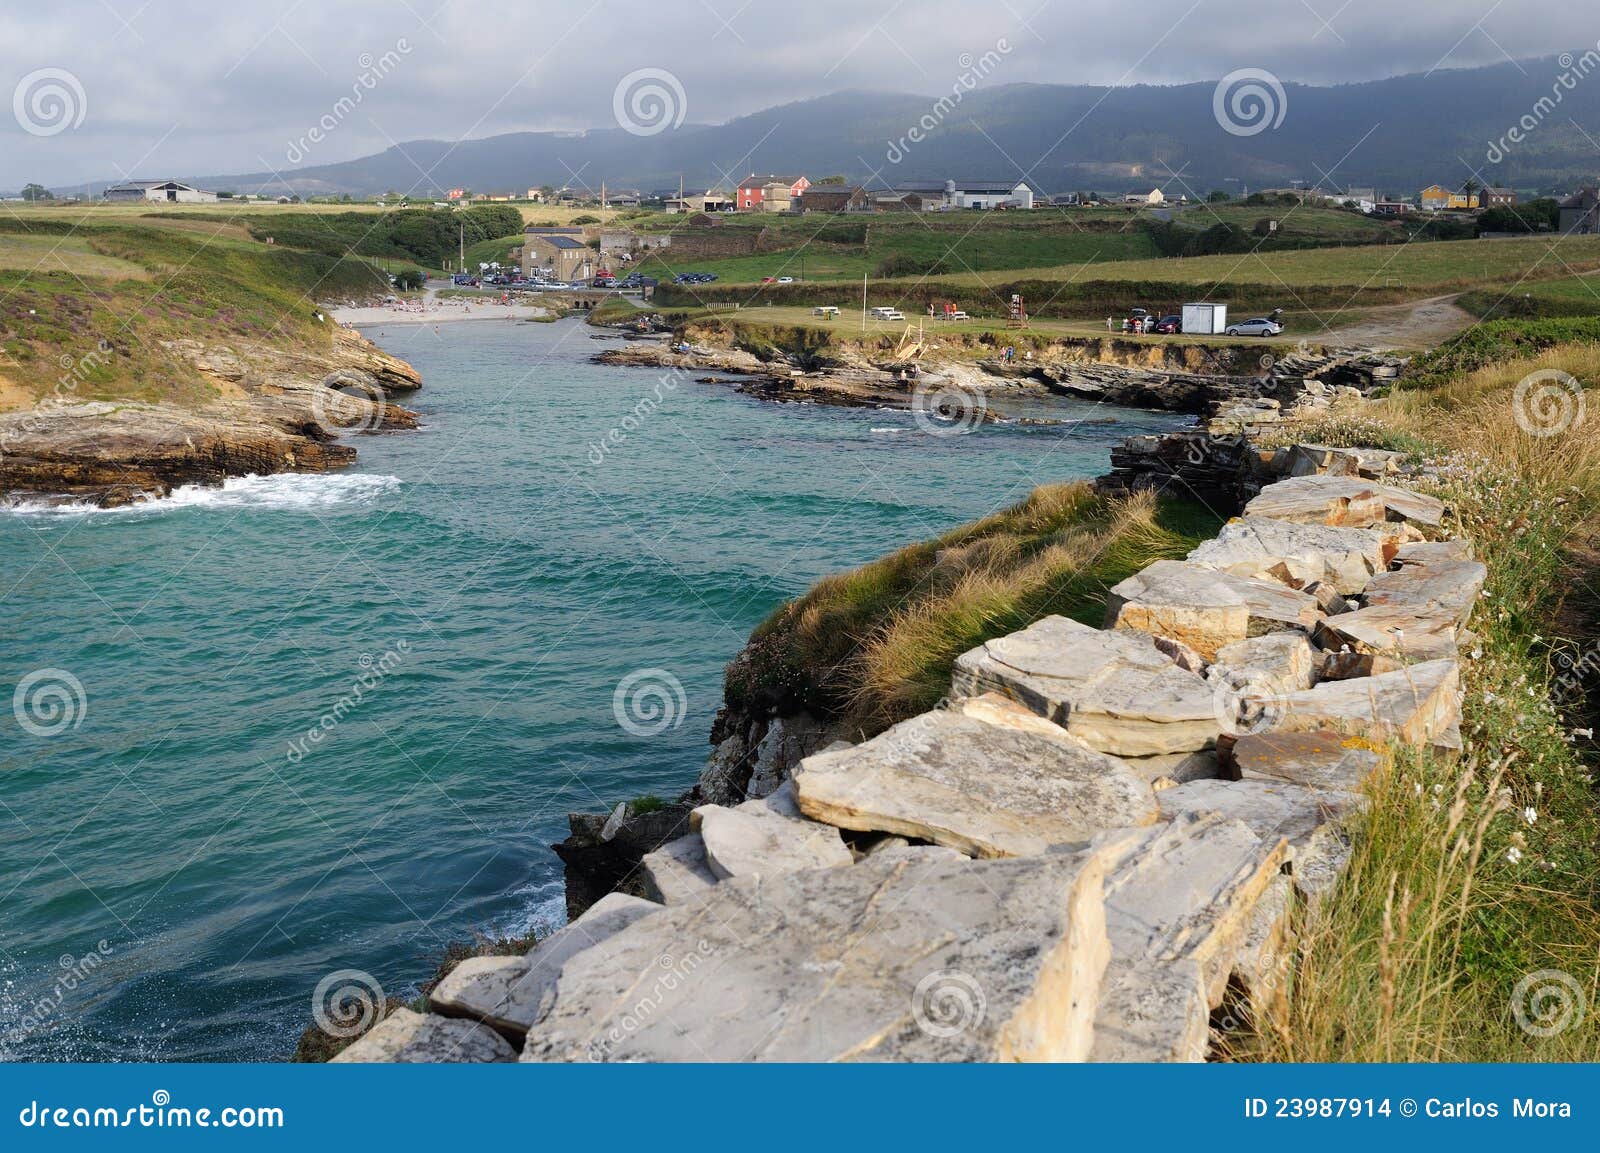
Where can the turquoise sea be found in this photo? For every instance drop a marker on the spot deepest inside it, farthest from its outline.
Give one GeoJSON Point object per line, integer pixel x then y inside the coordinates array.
{"type": "Point", "coordinates": [303, 724]}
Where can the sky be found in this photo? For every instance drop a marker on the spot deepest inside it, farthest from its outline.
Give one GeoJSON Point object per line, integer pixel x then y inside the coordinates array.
{"type": "Point", "coordinates": [114, 89]}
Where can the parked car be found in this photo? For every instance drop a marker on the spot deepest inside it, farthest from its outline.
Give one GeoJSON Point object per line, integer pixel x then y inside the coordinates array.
{"type": "Point", "coordinates": [1170, 325]}
{"type": "Point", "coordinates": [1260, 326]}
{"type": "Point", "coordinates": [785, 280]}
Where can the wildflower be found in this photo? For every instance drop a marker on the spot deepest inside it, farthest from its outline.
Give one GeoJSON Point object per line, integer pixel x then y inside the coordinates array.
{"type": "Point", "coordinates": [1530, 814]}
{"type": "Point", "coordinates": [1513, 854]}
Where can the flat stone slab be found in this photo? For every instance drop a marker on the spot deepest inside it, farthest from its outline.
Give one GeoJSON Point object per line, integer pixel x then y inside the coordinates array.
{"type": "Point", "coordinates": [677, 871]}
{"type": "Point", "coordinates": [510, 994]}
{"type": "Point", "coordinates": [410, 1038]}
{"type": "Point", "coordinates": [1435, 551]}
{"type": "Point", "coordinates": [1419, 705]}
{"type": "Point", "coordinates": [1399, 634]}
{"type": "Point", "coordinates": [1203, 607]}
{"type": "Point", "coordinates": [1429, 587]}
{"type": "Point", "coordinates": [1346, 558]}
{"type": "Point", "coordinates": [1271, 809]}
{"type": "Point", "coordinates": [915, 955]}
{"type": "Point", "coordinates": [1276, 663]}
{"type": "Point", "coordinates": [1114, 690]}
{"type": "Point", "coordinates": [1178, 911]}
{"type": "Point", "coordinates": [1343, 500]}
{"type": "Point", "coordinates": [975, 784]}
{"type": "Point", "coordinates": [766, 836]}
{"type": "Point", "coordinates": [1317, 760]}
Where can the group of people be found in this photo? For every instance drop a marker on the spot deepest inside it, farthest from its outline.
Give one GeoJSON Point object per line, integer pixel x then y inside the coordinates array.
{"type": "Point", "coordinates": [1136, 324]}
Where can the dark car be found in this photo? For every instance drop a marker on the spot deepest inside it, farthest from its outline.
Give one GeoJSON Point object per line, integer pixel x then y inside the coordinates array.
{"type": "Point", "coordinates": [1170, 325]}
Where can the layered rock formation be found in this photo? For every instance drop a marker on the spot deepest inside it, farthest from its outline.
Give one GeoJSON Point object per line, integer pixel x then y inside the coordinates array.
{"type": "Point", "coordinates": [1099, 836]}
{"type": "Point", "coordinates": [277, 410]}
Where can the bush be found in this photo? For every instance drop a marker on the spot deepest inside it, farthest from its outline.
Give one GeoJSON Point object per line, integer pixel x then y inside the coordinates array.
{"type": "Point", "coordinates": [410, 279]}
{"type": "Point", "coordinates": [1496, 341]}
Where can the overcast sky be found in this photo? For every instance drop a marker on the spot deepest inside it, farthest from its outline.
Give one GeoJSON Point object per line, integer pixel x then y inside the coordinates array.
{"type": "Point", "coordinates": [156, 88]}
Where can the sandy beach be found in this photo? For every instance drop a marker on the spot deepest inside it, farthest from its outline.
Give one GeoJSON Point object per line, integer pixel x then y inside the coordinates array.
{"type": "Point", "coordinates": [434, 311]}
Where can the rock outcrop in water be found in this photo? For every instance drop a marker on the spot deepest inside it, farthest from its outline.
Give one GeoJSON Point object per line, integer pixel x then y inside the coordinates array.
{"type": "Point", "coordinates": [277, 410]}
{"type": "Point", "coordinates": [1098, 840]}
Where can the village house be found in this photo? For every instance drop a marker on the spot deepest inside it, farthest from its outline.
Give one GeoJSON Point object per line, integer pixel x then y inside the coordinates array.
{"type": "Point", "coordinates": [1497, 197]}
{"type": "Point", "coordinates": [751, 195]}
{"type": "Point", "coordinates": [1580, 213]}
{"type": "Point", "coordinates": [712, 200]}
{"type": "Point", "coordinates": [1438, 198]}
{"type": "Point", "coordinates": [1390, 207]}
{"type": "Point", "coordinates": [170, 191]}
{"type": "Point", "coordinates": [835, 198]}
{"type": "Point", "coordinates": [560, 253]}
{"type": "Point", "coordinates": [1151, 199]}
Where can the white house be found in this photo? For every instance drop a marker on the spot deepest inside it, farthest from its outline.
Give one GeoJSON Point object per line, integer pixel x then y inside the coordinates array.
{"type": "Point", "coordinates": [1152, 198]}
{"type": "Point", "coordinates": [160, 190]}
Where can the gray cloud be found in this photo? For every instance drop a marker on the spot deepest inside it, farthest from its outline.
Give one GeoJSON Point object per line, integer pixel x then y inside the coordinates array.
{"type": "Point", "coordinates": [183, 87]}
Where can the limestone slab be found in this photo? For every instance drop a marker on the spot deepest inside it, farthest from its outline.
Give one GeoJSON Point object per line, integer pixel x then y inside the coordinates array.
{"type": "Point", "coordinates": [1114, 690]}
{"type": "Point", "coordinates": [1345, 558]}
{"type": "Point", "coordinates": [1400, 633]}
{"type": "Point", "coordinates": [677, 871]}
{"type": "Point", "coordinates": [1315, 760]}
{"type": "Point", "coordinates": [1203, 607]}
{"type": "Point", "coordinates": [1429, 587]}
{"type": "Point", "coordinates": [1419, 705]}
{"type": "Point", "coordinates": [509, 994]}
{"type": "Point", "coordinates": [1271, 809]}
{"type": "Point", "coordinates": [411, 1038]}
{"type": "Point", "coordinates": [1275, 664]}
{"type": "Point", "coordinates": [761, 839]}
{"type": "Point", "coordinates": [1343, 500]}
{"type": "Point", "coordinates": [987, 789]}
{"type": "Point", "coordinates": [917, 955]}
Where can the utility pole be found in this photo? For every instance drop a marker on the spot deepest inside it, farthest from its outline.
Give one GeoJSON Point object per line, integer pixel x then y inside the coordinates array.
{"type": "Point", "coordinates": [863, 303]}
{"type": "Point", "coordinates": [461, 238]}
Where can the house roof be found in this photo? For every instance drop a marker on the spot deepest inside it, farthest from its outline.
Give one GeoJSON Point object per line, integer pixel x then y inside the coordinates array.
{"type": "Point", "coordinates": [752, 183]}
{"type": "Point", "coordinates": [151, 184]}
{"type": "Point", "coordinates": [558, 241]}
{"type": "Point", "coordinates": [1584, 198]}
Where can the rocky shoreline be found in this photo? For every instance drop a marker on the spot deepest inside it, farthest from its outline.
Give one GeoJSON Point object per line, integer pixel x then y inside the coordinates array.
{"type": "Point", "coordinates": [1101, 843]}
{"type": "Point", "coordinates": [276, 410]}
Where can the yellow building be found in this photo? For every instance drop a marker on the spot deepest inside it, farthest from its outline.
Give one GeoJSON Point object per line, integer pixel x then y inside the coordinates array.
{"type": "Point", "coordinates": [1437, 198]}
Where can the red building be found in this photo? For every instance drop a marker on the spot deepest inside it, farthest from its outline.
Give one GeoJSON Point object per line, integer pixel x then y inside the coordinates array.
{"type": "Point", "coordinates": [752, 192]}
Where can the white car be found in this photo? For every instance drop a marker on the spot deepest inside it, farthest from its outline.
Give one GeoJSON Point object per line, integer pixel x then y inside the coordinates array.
{"type": "Point", "coordinates": [1260, 326]}
{"type": "Point", "coordinates": [785, 280]}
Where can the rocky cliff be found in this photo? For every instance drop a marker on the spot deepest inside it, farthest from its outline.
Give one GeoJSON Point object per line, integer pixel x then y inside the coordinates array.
{"type": "Point", "coordinates": [1103, 842]}
{"type": "Point", "coordinates": [274, 410]}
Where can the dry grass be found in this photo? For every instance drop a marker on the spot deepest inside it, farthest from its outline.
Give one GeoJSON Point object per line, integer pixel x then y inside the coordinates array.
{"type": "Point", "coordinates": [877, 644]}
{"type": "Point", "coordinates": [1472, 881]}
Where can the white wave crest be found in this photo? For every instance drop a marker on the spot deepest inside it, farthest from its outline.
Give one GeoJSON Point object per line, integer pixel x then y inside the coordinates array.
{"type": "Point", "coordinates": [285, 491]}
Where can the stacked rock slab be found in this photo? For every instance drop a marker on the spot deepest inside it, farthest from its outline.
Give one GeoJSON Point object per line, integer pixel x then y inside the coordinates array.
{"type": "Point", "coordinates": [1099, 842]}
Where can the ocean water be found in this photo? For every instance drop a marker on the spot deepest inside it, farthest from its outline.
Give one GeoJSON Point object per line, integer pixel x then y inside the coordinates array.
{"type": "Point", "coordinates": [298, 725]}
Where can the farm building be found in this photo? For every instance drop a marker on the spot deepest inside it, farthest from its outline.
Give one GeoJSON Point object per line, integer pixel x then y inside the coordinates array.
{"type": "Point", "coordinates": [167, 191]}
{"type": "Point", "coordinates": [835, 198]}
{"type": "Point", "coordinates": [1497, 197]}
{"type": "Point", "coordinates": [752, 193]}
{"type": "Point", "coordinates": [1580, 213]}
{"type": "Point", "coordinates": [557, 251]}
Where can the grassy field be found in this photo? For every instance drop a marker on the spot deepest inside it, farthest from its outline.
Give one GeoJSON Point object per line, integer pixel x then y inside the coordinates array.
{"type": "Point", "coordinates": [1302, 223]}
{"type": "Point", "coordinates": [68, 254]}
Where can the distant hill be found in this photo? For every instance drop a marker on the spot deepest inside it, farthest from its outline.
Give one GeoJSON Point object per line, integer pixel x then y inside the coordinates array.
{"type": "Point", "coordinates": [1399, 134]}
